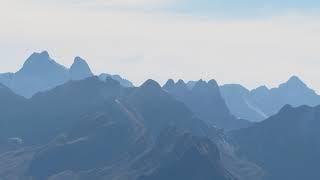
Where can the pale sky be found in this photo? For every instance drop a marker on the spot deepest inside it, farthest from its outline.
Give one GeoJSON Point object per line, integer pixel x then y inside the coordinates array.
{"type": "Point", "coordinates": [250, 42]}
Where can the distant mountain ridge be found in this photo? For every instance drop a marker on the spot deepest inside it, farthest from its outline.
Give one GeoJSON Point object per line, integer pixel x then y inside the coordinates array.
{"type": "Point", "coordinates": [106, 121]}
{"type": "Point", "coordinates": [40, 73]}
{"type": "Point", "coordinates": [286, 145]}
{"type": "Point", "coordinates": [205, 101]}
{"type": "Point", "coordinates": [101, 130]}
{"type": "Point", "coordinates": [261, 103]}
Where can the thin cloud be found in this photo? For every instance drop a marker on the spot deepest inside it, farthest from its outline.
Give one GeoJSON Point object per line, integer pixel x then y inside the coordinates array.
{"type": "Point", "coordinates": [251, 51]}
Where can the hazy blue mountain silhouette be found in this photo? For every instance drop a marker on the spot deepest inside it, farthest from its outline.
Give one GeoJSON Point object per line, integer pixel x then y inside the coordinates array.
{"type": "Point", "coordinates": [99, 140]}
{"type": "Point", "coordinates": [206, 102]}
{"type": "Point", "coordinates": [126, 123]}
{"type": "Point", "coordinates": [85, 110]}
{"type": "Point", "coordinates": [38, 73]}
{"type": "Point", "coordinates": [286, 145]}
{"type": "Point", "coordinates": [80, 69]}
{"type": "Point", "coordinates": [160, 110]}
{"type": "Point", "coordinates": [41, 73]}
{"type": "Point", "coordinates": [238, 101]}
{"type": "Point", "coordinates": [95, 129]}
{"type": "Point", "coordinates": [52, 112]}
{"type": "Point", "coordinates": [260, 103]}
{"type": "Point", "coordinates": [80, 126]}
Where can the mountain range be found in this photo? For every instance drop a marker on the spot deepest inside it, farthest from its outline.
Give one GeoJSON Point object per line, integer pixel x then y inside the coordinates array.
{"type": "Point", "coordinates": [286, 145]}
{"type": "Point", "coordinates": [261, 103]}
{"type": "Point", "coordinates": [110, 123]}
{"type": "Point", "coordinates": [68, 124]}
{"type": "Point", "coordinates": [41, 73]}
{"type": "Point", "coordinates": [205, 101]}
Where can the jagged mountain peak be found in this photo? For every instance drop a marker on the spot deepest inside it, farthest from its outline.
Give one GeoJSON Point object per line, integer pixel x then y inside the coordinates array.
{"type": "Point", "coordinates": [80, 69]}
{"type": "Point", "coordinates": [78, 60]}
{"type": "Point", "coordinates": [44, 55]}
{"type": "Point", "coordinates": [80, 63]}
{"type": "Point", "coordinates": [41, 73]}
{"type": "Point", "coordinates": [169, 84]}
{"type": "Point", "coordinates": [40, 62]}
{"type": "Point", "coordinates": [181, 84]}
{"type": "Point", "coordinates": [294, 78]}
{"type": "Point", "coordinates": [37, 61]}
{"type": "Point", "coordinates": [294, 82]}
{"type": "Point", "coordinates": [202, 85]}
{"type": "Point", "coordinates": [151, 84]}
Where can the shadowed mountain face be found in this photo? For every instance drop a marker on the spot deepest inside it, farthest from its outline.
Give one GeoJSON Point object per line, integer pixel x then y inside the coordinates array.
{"type": "Point", "coordinates": [206, 102]}
{"type": "Point", "coordinates": [93, 129]}
{"type": "Point", "coordinates": [10, 105]}
{"type": "Point", "coordinates": [48, 113]}
{"type": "Point", "coordinates": [88, 120]}
{"type": "Point", "coordinates": [160, 110]}
{"type": "Point", "coordinates": [41, 73]}
{"type": "Point", "coordinates": [97, 124]}
{"type": "Point", "coordinates": [183, 156]}
{"type": "Point", "coordinates": [286, 145]}
{"type": "Point", "coordinates": [99, 140]}
{"type": "Point", "coordinates": [176, 154]}
{"type": "Point", "coordinates": [260, 103]}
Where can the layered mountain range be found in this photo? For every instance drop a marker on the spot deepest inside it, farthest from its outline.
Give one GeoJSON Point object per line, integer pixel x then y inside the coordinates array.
{"type": "Point", "coordinates": [205, 101]}
{"type": "Point", "coordinates": [262, 102]}
{"type": "Point", "coordinates": [40, 73]}
{"type": "Point", "coordinates": [68, 124]}
{"type": "Point", "coordinates": [286, 145]}
{"type": "Point", "coordinates": [93, 129]}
